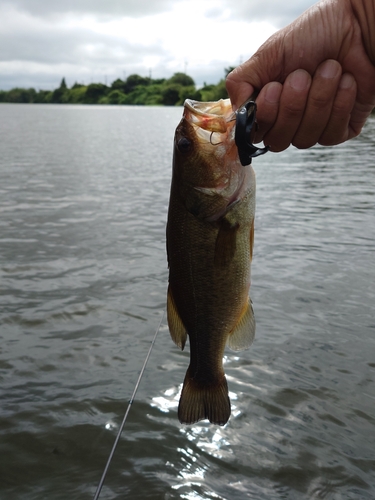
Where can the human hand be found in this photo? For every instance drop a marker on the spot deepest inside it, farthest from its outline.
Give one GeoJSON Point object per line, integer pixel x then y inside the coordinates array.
{"type": "Point", "coordinates": [316, 78]}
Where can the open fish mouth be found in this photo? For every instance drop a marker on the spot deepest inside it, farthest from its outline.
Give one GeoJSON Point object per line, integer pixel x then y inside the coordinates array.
{"type": "Point", "coordinates": [213, 122]}
{"type": "Point", "coordinates": [210, 116]}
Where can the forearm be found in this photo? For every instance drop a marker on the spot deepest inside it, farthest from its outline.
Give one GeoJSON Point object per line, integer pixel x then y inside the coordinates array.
{"type": "Point", "coordinates": [364, 11]}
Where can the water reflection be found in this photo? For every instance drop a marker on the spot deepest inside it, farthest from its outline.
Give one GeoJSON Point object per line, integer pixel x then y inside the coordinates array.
{"type": "Point", "coordinates": [111, 425]}
{"type": "Point", "coordinates": [83, 282]}
{"type": "Point", "coordinates": [204, 443]}
{"type": "Point", "coordinates": [169, 400]}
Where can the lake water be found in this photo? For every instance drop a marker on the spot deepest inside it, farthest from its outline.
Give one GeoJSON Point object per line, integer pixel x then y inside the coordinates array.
{"type": "Point", "coordinates": [83, 275]}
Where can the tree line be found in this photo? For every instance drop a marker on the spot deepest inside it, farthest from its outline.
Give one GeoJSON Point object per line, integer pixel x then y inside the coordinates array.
{"type": "Point", "coordinates": [134, 90]}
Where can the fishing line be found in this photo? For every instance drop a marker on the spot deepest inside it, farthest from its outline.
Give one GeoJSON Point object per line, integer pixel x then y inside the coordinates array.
{"type": "Point", "coordinates": [100, 485]}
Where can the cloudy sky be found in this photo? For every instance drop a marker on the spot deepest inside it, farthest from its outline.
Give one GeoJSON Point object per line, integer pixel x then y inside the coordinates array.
{"type": "Point", "coordinates": [87, 41]}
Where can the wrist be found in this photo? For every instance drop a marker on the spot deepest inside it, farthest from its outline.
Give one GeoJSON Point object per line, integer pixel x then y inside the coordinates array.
{"type": "Point", "coordinates": [364, 11]}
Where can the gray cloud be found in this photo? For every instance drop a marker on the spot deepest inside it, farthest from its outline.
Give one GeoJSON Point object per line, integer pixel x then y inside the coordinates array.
{"type": "Point", "coordinates": [70, 46]}
{"type": "Point", "coordinates": [278, 13]}
{"type": "Point", "coordinates": [40, 41]}
{"type": "Point", "coordinates": [100, 8]}
{"type": "Point", "coordinates": [39, 51]}
{"type": "Point", "coordinates": [68, 57]}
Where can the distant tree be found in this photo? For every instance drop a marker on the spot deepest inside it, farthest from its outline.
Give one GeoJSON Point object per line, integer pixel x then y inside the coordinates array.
{"type": "Point", "coordinates": [134, 90]}
{"type": "Point", "coordinates": [221, 91]}
{"type": "Point", "coordinates": [133, 81]}
{"type": "Point", "coordinates": [118, 85]}
{"type": "Point", "coordinates": [20, 95]}
{"type": "Point", "coordinates": [153, 99]}
{"type": "Point", "coordinates": [77, 94]}
{"type": "Point", "coordinates": [188, 93]}
{"type": "Point", "coordinates": [94, 92]}
{"type": "Point", "coordinates": [57, 95]}
{"type": "Point", "coordinates": [63, 84]}
{"type": "Point", "coordinates": [78, 85]}
{"type": "Point", "coordinates": [214, 92]}
{"type": "Point", "coordinates": [60, 95]}
{"type": "Point", "coordinates": [207, 88]}
{"type": "Point", "coordinates": [114, 97]}
{"type": "Point", "coordinates": [171, 94]}
{"type": "Point", "coordinates": [228, 70]}
{"type": "Point", "coordinates": [182, 79]}
{"type": "Point", "coordinates": [43, 96]}
{"type": "Point", "coordinates": [144, 95]}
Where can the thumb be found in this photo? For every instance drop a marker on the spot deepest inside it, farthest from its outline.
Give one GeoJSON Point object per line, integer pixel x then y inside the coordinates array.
{"type": "Point", "coordinates": [251, 76]}
{"type": "Point", "coordinates": [238, 88]}
{"type": "Point", "coordinates": [265, 66]}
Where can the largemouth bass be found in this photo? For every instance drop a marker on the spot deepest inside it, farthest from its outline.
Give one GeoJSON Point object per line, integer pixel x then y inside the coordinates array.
{"type": "Point", "coordinates": [210, 236]}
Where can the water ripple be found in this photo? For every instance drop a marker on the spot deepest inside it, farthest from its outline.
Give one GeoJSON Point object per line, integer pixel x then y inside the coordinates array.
{"type": "Point", "coordinates": [83, 277]}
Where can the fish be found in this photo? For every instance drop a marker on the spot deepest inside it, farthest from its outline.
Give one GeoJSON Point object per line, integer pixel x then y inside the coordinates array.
{"type": "Point", "coordinates": [210, 238]}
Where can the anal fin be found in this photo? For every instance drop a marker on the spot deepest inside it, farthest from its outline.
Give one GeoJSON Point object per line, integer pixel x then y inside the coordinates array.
{"type": "Point", "coordinates": [243, 334]}
{"type": "Point", "coordinates": [176, 327]}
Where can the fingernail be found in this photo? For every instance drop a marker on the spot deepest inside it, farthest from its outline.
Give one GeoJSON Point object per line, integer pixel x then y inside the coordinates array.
{"type": "Point", "coordinates": [300, 80]}
{"type": "Point", "coordinates": [330, 69]}
{"type": "Point", "coordinates": [273, 91]}
{"type": "Point", "coordinates": [346, 81]}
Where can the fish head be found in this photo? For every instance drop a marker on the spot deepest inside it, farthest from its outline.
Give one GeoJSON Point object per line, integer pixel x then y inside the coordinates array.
{"type": "Point", "coordinates": [206, 166]}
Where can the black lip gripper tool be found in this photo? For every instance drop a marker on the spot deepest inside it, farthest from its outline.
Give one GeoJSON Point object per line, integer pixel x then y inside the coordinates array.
{"type": "Point", "coordinates": [245, 121]}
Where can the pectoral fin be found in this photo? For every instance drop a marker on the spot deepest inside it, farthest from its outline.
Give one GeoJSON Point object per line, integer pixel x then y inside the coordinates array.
{"type": "Point", "coordinates": [243, 334]}
{"type": "Point", "coordinates": [226, 241]}
{"type": "Point", "coordinates": [176, 327]}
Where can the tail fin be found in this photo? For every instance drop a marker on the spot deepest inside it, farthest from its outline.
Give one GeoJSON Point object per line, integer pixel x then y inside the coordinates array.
{"type": "Point", "coordinates": [198, 402]}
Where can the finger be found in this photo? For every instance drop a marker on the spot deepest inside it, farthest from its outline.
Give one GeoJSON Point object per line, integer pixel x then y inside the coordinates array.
{"type": "Point", "coordinates": [319, 104]}
{"type": "Point", "coordinates": [238, 89]}
{"type": "Point", "coordinates": [267, 108]}
{"type": "Point", "coordinates": [291, 108]}
{"type": "Point", "coordinates": [337, 129]}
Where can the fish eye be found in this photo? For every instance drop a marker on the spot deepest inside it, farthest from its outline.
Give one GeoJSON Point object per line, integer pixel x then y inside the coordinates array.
{"type": "Point", "coordinates": [184, 145]}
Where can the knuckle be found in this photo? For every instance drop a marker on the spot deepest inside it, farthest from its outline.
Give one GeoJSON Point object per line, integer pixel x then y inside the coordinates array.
{"type": "Point", "coordinates": [333, 135]}
{"type": "Point", "coordinates": [341, 108]}
{"type": "Point", "coordinates": [331, 140]}
{"type": "Point", "coordinates": [277, 144]}
{"type": "Point", "coordinates": [292, 109]}
{"type": "Point", "coordinates": [303, 142]}
{"type": "Point", "coordinates": [319, 102]}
